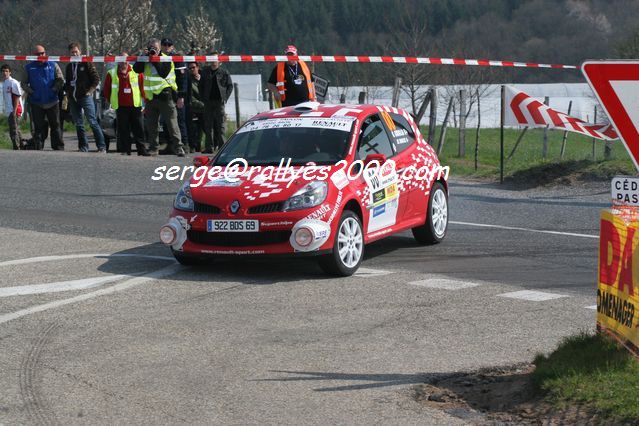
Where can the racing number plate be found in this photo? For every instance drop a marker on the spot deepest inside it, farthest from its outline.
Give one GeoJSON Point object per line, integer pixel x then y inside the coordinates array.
{"type": "Point", "coordinates": [233, 225]}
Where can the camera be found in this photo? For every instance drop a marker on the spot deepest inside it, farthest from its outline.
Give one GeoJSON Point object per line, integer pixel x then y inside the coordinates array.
{"type": "Point", "coordinates": [152, 51]}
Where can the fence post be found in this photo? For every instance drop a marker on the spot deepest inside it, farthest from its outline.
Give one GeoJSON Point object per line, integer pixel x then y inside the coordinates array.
{"type": "Point", "coordinates": [521, 136]}
{"type": "Point", "coordinates": [461, 152]}
{"type": "Point", "coordinates": [501, 134]}
{"type": "Point", "coordinates": [396, 88]}
{"type": "Point", "coordinates": [594, 153]}
{"type": "Point", "coordinates": [270, 100]}
{"type": "Point", "coordinates": [342, 98]}
{"type": "Point", "coordinates": [442, 135]}
{"type": "Point", "coordinates": [432, 119]}
{"type": "Point", "coordinates": [422, 109]}
{"type": "Point", "coordinates": [544, 147]}
{"type": "Point", "coordinates": [237, 105]}
{"type": "Point", "coordinates": [361, 98]}
{"type": "Point", "coordinates": [565, 138]}
{"type": "Point", "coordinates": [478, 127]}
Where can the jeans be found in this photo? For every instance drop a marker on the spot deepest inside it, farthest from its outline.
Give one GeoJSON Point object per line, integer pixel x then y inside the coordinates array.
{"type": "Point", "coordinates": [14, 130]}
{"type": "Point", "coordinates": [213, 125]}
{"type": "Point", "coordinates": [87, 105]}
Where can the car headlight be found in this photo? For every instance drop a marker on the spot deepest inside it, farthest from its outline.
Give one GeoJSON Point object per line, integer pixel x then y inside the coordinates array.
{"type": "Point", "coordinates": [311, 195]}
{"type": "Point", "coordinates": [183, 200]}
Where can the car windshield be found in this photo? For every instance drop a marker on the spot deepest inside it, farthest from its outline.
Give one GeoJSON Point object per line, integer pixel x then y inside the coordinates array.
{"type": "Point", "coordinates": [322, 141]}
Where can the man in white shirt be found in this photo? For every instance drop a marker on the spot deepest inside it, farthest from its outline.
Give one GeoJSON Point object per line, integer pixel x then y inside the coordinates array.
{"type": "Point", "coordinates": [12, 100]}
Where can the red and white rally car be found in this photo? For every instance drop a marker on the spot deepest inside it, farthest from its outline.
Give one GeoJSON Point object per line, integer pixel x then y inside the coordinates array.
{"type": "Point", "coordinates": [320, 180]}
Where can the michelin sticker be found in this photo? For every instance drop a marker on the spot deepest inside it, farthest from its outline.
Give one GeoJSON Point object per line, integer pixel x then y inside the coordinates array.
{"type": "Point", "coordinates": [383, 200]}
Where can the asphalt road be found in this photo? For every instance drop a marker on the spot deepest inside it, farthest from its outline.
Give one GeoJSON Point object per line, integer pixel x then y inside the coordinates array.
{"type": "Point", "coordinates": [99, 325]}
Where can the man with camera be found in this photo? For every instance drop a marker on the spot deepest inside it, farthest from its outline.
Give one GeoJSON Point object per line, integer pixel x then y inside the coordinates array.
{"type": "Point", "coordinates": [159, 86]}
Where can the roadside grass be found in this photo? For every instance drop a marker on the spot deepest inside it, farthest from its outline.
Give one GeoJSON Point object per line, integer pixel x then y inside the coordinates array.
{"type": "Point", "coordinates": [592, 370]}
{"type": "Point", "coordinates": [528, 156]}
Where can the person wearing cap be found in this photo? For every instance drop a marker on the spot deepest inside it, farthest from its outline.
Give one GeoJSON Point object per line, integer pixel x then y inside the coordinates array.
{"type": "Point", "coordinates": [291, 82]}
{"type": "Point", "coordinates": [217, 87]}
{"type": "Point", "coordinates": [181, 78]}
{"type": "Point", "coordinates": [159, 85]}
{"type": "Point", "coordinates": [124, 89]}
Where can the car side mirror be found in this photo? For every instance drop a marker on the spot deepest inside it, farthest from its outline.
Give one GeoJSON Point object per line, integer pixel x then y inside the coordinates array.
{"type": "Point", "coordinates": [381, 158]}
{"type": "Point", "coordinates": [200, 160]}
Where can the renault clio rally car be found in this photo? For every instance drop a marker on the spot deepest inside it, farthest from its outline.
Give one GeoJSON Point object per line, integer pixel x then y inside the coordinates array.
{"type": "Point", "coordinates": [313, 180]}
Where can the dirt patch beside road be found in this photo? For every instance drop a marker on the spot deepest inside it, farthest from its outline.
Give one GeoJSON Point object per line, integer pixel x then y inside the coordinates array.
{"type": "Point", "coordinates": [500, 395]}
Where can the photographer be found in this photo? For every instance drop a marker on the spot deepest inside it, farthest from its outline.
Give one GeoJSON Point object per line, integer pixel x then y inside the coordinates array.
{"type": "Point", "coordinates": [159, 86]}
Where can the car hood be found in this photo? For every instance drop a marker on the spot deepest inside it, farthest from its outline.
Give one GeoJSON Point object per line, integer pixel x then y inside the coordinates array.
{"type": "Point", "coordinates": [253, 191]}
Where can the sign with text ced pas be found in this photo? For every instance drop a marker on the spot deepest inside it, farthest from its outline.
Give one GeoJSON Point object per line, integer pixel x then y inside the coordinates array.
{"type": "Point", "coordinates": [618, 281]}
{"type": "Point", "coordinates": [616, 84]}
{"type": "Point", "coordinates": [625, 191]}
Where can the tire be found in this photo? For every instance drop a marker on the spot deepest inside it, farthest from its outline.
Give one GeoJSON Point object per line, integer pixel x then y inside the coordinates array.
{"type": "Point", "coordinates": [187, 260]}
{"type": "Point", "coordinates": [351, 245]}
{"type": "Point", "coordinates": [434, 230]}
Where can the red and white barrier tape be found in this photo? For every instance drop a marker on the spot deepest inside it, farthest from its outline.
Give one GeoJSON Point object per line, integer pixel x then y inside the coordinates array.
{"type": "Point", "coordinates": [281, 58]}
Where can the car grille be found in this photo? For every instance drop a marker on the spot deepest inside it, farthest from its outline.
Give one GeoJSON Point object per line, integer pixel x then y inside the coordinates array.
{"type": "Point", "coordinates": [266, 208]}
{"type": "Point", "coordinates": [205, 208]}
{"type": "Point", "coordinates": [237, 239]}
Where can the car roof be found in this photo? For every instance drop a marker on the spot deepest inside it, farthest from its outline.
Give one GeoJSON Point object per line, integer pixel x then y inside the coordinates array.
{"type": "Point", "coordinates": [325, 111]}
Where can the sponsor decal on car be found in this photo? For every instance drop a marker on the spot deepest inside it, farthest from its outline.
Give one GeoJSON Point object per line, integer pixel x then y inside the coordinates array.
{"type": "Point", "coordinates": [319, 213]}
{"type": "Point", "coordinates": [280, 223]}
{"type": "Point", "coordinates": [343, 123]}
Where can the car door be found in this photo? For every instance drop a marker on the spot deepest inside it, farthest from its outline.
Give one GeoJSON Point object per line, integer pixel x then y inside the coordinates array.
{"type": "Point", "coordinates": [404, 144]}
{"type": "Point", "coordinates": [382, 198]}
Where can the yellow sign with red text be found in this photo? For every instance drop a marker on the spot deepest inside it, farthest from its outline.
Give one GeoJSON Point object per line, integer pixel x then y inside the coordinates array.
{"type": "Point", "coordinates": [618, 282]}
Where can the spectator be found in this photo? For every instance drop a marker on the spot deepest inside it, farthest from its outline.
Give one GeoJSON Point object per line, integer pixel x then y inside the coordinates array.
{"type": "Point", "coordinates": [217, 87]}
{"type": "Point", "coordinates": [195, 108]}
{"type": "Point", "coordinates": [181, 77]}
{"type": "Point", "coordinates": [12, 99]}
{"type": "Point", "coordinates": [159, 85]}
{"type": "Point", "coordinates": [43, 83]}
{"type": "Point", "coordinates": [291, 82]}
{"type": "Point", "coordinates": [124, 89]}
{"type": "Point", "coordinates": [82, 80]}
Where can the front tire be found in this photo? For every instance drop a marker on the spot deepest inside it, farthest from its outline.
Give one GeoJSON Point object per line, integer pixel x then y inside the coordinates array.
{"type": "Point", "coordinates": [348, 248]}
{"type": "Point", "coordinates": [434, 230]}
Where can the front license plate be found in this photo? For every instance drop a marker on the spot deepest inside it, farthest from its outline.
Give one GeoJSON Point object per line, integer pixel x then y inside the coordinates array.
{"type": "Point", "coordinates": [233, 225]}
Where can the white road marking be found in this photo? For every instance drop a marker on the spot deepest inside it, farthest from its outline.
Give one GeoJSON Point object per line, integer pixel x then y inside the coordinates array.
{"type": "Point", "coordinates": [444, 284]}
{"type": "Point", "coordinates": [532, 295]}
{"type": "Point", "coordinates": [368, 273]}
{"type": "Point", "coordinates": [516, 228]}
{"type": "Point", "coordinates": [593, 307]}
{"type": "Point", "coordinates": [83, 284]}
{"type": "Point", "coordinates": [78, 256]}
{"type": "Point", "coordinates": [133, 282]}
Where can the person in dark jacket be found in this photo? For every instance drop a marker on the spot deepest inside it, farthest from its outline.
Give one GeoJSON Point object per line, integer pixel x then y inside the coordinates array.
{"type": "Point", "coordinates": [217, 87]}
{"type": "Point", "coordinates": [195, 107]}
{"type": "Point", "coordinates": [82, 80]}
{"type": "Point", "coordinates": [181, 78]}
{"type": "Point", "coordinates": [43, 82]}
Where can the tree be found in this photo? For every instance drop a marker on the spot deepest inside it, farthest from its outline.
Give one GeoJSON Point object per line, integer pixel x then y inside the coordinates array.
{"type": "Point", "coordinates": [200, 32]}
{"type": "Point", "coordinates": [114, 32]}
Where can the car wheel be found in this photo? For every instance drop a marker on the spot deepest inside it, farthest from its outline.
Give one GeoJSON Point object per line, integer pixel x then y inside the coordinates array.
{"type": "Point", "coordinates": [348, 248]}
{"type": "Point", "coordinates": [434, 230]}
{"type": "Point", "coordinates": [188, 260]}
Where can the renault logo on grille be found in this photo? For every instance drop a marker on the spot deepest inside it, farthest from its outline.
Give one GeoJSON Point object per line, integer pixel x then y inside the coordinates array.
{"type": "Point", "coordinates": [235, 206]}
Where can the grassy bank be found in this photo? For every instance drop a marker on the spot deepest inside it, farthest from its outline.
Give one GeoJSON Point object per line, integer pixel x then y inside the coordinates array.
{"type": "Point", "coordinates": [591, 370]}
{"type": "Point", "coordinates": [528, 156]}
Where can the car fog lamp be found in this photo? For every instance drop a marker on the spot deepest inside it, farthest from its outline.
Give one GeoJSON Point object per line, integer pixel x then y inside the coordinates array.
{"type": "Point", "coordinates": [167, 235]}
{"type": "Point", "coordinates": [303, 236]}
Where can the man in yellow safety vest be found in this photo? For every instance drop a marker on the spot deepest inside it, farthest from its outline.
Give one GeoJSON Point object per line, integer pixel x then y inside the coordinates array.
{"type": "Point", "coordinates": [124, 89]}
{"type": "Point", "coordinates": [159, 86]}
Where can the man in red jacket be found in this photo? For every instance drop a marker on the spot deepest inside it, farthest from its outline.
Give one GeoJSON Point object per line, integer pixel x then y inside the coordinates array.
{"type": "Point", "coordinates": [124, 89]}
